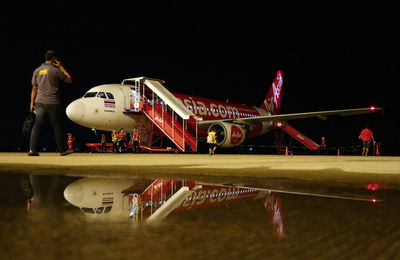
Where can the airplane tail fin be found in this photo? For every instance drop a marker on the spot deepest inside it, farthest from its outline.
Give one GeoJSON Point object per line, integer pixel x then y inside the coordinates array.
{"type": "Point", "coordinates": [272, 102]}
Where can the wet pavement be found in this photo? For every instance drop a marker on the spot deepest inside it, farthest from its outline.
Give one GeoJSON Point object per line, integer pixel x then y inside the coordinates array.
{"type": "Point", "coordinates": [315, 220]}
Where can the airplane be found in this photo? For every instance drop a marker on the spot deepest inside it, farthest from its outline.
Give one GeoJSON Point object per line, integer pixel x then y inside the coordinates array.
{"type": "Point", "coordinates": [146, 102]}
{"type": "Point", "coordinates": [146, 201]}
{"type": "Point", "coordinates": [150, 200]}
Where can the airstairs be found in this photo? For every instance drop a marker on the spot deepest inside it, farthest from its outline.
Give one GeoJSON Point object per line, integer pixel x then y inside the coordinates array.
{"type": "Point", "coordinates": [282, 128]}
{"type": "Point", "coordinates": [163, 197]}
{"type": "Point", "coordinates": [168, 115]}
{"type": "Point", "coordinates": [159, 199]}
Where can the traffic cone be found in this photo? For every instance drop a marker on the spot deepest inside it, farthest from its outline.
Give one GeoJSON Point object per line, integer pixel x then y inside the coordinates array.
{"type": "Point", "coordinates": [286, 151]}
{"type": "Point", "coordinates": [338, 152]}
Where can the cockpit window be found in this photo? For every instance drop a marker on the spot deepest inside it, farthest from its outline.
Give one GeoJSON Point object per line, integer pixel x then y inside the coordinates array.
{"type": "Point", "coordinates": [88, 210]}
{"type": "Point", "coordinates": [108, 209]}
{"type": "Point", "coordinates": [90, 94]}
{"type": "Point", "coordinates": [99, 210]}
{"type": "Point", "coordinates": [101, 95]}
{"type": "Point", "coordinates": [110, 96]}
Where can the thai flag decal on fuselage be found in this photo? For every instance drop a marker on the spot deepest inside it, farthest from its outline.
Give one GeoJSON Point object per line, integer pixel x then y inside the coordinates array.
{"type": "Point", "coordinates": [107, 201]}
{"type": "Point", "coordinates": [109, 103]}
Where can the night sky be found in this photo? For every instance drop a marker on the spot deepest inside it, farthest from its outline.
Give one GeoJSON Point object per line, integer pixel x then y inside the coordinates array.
{"type": "Point", "coordinates": [333, 57]}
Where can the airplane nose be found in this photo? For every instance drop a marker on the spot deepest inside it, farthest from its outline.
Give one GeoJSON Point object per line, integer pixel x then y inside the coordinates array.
{"type": "Point", "coordinates": [76, 111]}
{"type": "Point", "coordinates": [74, 193]}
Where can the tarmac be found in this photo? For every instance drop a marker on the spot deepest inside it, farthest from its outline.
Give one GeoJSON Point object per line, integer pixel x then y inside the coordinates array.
{"type": "Point", "coordinates": [274, 169]}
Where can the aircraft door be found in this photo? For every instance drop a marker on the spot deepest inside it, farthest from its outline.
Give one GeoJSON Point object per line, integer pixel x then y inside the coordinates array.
{"type": "Point", "coordinates": [134, 206]}
{"type": "Point", "coordinates": [127, 94]}
{"type": "Point", "coordinates": [132, 98]}
{"type": "Point", "coordinates": [136, 103]}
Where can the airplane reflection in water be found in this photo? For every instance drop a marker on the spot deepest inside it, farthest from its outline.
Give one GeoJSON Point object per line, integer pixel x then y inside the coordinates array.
{"type": "Point", "coordinates": [145, 200]}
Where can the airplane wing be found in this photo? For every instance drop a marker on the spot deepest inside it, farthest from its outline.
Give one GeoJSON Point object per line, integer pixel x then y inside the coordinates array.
{"type": "Point", "coordinates": [287, 117]}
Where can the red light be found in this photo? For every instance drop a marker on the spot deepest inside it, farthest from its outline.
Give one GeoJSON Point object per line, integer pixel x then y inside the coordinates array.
{"type": "Point", "coordinates": [372, 108]}
{"type": "Point", "coordinates": [373, 186]}
{"type": "Point", "coordinates": [374, 200]}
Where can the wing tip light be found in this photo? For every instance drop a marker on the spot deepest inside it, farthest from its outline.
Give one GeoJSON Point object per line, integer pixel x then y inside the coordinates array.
{"type": "Point", "coordinates": [375, 109]}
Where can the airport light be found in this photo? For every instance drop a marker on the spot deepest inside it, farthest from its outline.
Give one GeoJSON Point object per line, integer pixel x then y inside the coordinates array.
{"type": "Point", "coordinates": [375, 186]}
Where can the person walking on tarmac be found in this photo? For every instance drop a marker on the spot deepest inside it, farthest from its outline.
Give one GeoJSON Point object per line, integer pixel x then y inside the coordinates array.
{"type": "Point", "coordinates": [70, 141]}
{"type": "Point", "coordinates": [212, 141]}
{"type": "Point", "coordinates": [135, 140]}
{"type": "Point", "coordinates": [323, 146]}
{"type": "Point", "coordinates": [365, 136]}
{"type": "Point", "coordinates": [114, 138]}
{"type": "Point", "coordinates": [45, 101]}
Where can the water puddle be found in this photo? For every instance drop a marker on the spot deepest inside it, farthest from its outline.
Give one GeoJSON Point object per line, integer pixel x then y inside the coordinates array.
{"type": "Point", "coordinates": [58, 216]}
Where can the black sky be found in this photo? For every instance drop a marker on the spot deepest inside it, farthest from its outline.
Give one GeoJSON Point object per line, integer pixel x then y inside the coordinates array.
{"type": "Point", "coordinates": [332, 57]}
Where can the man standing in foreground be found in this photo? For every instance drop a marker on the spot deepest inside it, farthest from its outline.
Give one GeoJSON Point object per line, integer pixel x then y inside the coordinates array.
{"type": "Point", "coordinates": [45, 101]}
{"type": "Point", "coordinates": [366, 136]}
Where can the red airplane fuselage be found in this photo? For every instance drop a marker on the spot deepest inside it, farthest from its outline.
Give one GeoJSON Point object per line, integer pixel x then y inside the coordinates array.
{"type": "Point", "coordinates": [210, 109]}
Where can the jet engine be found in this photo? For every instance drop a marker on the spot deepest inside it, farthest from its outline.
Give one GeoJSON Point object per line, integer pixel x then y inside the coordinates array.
{"type": "Point", "coordinates": [228, 134]}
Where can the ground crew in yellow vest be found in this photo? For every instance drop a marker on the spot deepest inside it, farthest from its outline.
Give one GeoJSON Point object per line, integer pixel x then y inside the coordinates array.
{"type": "Point", "coordinates": [114, 139]}
{"type": "Point", "coordinates": [135, 140]}
{"type": "Point", "coordinates": [212, 141]}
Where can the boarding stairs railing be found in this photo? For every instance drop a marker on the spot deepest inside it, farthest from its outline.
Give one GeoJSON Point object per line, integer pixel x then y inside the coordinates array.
{"type": "Point", "coordinates": [159, 192]}
{"type": "Point", "coordinates": [170, 124]}
{"type": "Point", "coordinates": [307, 142]}
{"type": "Point", "coordinates": [168, 114]}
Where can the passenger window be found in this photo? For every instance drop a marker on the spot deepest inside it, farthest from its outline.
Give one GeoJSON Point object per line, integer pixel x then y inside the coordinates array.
{"type": "Point", "coordinates": [88, 210]}
{"type": "Point", "coordinates": [101, 95]}
{"type": "Point", "coordinates": [108, 209]}
{"type": "Point", "coordinates": [90, 94]}
{"type": "Point", "coordinates": [99, 210]}
{"type": "Point", "coordinates": [110, 96]}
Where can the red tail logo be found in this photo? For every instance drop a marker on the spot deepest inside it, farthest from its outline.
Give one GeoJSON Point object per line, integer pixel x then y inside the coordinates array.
{"type": "Point", "coordinates": [273, 101]}
{"type": "Point", "coordinates": [236, 135]}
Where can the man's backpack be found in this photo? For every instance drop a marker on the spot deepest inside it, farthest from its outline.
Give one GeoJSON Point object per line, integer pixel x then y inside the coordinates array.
{"type": "Point", "coordinates": [28, 124]}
